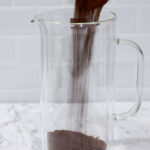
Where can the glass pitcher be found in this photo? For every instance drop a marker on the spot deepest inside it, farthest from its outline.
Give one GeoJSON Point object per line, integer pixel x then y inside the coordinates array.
{"type": "Point", "coordinates": [77, 88]}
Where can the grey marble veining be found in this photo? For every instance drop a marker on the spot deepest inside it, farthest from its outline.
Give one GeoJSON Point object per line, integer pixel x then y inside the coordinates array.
{"type": "Point", "coordinates": [20, 128]}
{"type": "Point", "coordinates": [134, 133]}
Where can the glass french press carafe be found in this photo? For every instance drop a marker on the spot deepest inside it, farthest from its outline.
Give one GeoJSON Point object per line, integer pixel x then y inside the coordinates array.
{"type": "Point", "coordinates": [77, 92]}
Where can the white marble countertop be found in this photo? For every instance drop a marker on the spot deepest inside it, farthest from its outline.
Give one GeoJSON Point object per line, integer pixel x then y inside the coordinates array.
{"type": "Point", "coordinates": [20, 128]}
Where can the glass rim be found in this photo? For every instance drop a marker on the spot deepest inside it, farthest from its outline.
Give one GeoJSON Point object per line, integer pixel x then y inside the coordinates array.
{"type": "Point", "coordinates": [39, 18]}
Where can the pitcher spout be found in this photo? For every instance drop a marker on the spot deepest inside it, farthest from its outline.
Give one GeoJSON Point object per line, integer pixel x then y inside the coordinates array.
{"type": "Point", "coordinates": [36, 19]}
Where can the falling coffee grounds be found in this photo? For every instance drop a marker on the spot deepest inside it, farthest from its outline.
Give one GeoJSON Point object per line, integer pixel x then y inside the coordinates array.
{"type": "Point", "coordinates": [86, 11]}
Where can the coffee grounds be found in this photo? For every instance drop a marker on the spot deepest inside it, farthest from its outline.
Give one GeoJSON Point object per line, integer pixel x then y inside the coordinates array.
{"type": "Point", "coordinates": [86, 11]}
{"type": "Point", "coordinates": [83, 36]}
{"type": "Point", "coordinates": [82, 49]}
{"type": "Point", "coordinates": [69, 140]}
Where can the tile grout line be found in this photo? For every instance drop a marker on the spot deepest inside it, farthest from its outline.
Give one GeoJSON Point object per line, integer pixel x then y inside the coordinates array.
{"type": "Point", "coordinates": [14, 6]}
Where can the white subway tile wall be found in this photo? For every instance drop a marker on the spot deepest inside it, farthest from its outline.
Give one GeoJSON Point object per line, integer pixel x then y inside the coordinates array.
{"type": "Point", "coordinates": [28, 49]}
{"type": "Point", "coordinates": [13, 77]}
{"type": "Point", "coordinates": [38, 2]}
{"type": "Point", "coordinates": [143, 20]}
{"type": "Point", "coordinates": [20, 47]}
{"type": "Point", "coordinates": [126, 19]}
{"type": "Point", "coordinates": [5, 2]}
{"type": "Point", "coordinates": [7, 50]}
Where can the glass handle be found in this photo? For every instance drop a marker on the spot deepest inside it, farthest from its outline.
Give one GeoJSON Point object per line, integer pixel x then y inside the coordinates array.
{"type": "Point", "coordinates": [139, 81]}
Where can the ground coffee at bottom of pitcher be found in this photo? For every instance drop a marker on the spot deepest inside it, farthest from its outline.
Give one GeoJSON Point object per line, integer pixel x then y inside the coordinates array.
{"type": "Point", "coordinates": [69, 140]}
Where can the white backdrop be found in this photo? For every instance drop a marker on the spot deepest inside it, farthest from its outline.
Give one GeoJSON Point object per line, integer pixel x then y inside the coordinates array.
{"type": "Point", "coordinates": [20, 47]}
